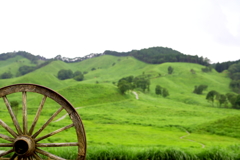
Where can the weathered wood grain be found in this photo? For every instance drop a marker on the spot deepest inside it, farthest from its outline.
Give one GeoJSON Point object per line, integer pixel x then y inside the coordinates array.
{"type": "Point", "coordinates": [14, 119]}
{"type": "Point", "coordinates": [24, 110]}
{"type": "Point", "coordinates": [4, 125]}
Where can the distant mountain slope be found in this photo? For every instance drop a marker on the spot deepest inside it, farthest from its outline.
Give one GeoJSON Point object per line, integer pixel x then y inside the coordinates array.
{"type": "Point", "coordinates": [29, 56]}
{"type": "Point", "coordinates": [12, 64]}
{"type": "Point", "coordinates": [158, 55]}
{"type": "Point", "coordinates": [224, 65]}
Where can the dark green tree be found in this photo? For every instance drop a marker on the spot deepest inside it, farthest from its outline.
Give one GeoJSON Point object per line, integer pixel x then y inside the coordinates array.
{"type": "Point", "coordinates": [222, 99]}
{"type": "Point", "coordinates": [131, 82]}
{"type": "Point", "coordinates": [231, 97]}
{"type": "Point", "coordinates": [165, 92]}
{"type": "Point", "coordinates": [235, 85]}
{"type": "Point", "coordinates": [199, 89]}
{"type": "Point", "coordinates": [158, 90]}
{"type": "Point", "coordinates": [26, 69]}
{"type": "Point", "coordinates": [233, 69]}
{"type": "Point", "coordinates": [207, 69]}
{"type": "Point", "coordinates": [124, 86]}
{"type": "Point", "coordinates": [237, 101]}
{"type": "Point", "coordinates": [65, 74]}
{"type": "Point", "coordinates": [6, 75]}
{"type": "Point", "coordinates": [193, 71]}
{"type": "Point", "coordinates": [211, 96]}
{"type": "Point", "coordinates": [235, 76]}
{"type": "Point", "coordinates": [78, 76]}
{"type": "Point", "coordinates": [170, 70]}
{"type": "Point", "coordinates": [142, 82]}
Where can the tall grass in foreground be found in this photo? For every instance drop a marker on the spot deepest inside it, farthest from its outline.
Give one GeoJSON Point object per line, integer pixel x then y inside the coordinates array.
{"type": "Point", "coordinates": [125, 153]}
{"type": "Point", "coordinates": [136, 153]}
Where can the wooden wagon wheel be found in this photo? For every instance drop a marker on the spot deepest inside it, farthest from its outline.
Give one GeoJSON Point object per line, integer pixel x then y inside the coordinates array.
{"type": "Point", "coordinates": [25, 141]}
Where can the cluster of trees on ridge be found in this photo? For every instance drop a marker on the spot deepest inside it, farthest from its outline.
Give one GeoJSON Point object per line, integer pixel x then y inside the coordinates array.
{"type": "Point", "coordinates": [143, 82]}
{"type": "Point", "coordinates": [221, 99]}
{"type": "Point", "coordinates": [129, 83]}
{"type": "Point", "coordinates": [224, 99]}
{"type": "Point", "coordinates": [32, 58]}
{"type": "Point", "coordinates": [68, 74]}
{"type": "Point", "coordinates": [161, 91]}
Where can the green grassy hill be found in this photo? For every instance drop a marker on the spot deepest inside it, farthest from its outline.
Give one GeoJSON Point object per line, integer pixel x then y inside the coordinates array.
{"type": "Point", "coordinates": [112, 119]}
{"type": "Point", "coordinates": [12, 64]}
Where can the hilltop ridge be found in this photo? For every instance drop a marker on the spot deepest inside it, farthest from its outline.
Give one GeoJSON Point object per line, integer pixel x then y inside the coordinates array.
{"type": "Point", "coordinates": [152, 55]}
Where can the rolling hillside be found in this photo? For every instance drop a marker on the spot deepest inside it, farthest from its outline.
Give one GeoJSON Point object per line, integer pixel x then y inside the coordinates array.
{"type": "Point", "coordinates": [180, 84]}
{"type": "Point", "coordinates": [151, 120]}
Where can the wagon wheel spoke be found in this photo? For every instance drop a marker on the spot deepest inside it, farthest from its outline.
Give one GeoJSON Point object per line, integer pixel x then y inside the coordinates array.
{"type": "Point", "coordinates": [13, 156]}
{"type": "Point", "coordinates": [36, 156]}
{"type": "Point", "coordinates": [54, 132]}
{"type": "Point", "coordinates": [4, 125]}
{"type": "Point", "coordinates": [24, 110]}
{"type": "Point", "coordinates": [6, 152]}
{"type": "Point", "coordinates": [30, 158]}
{"type": "Point", "coordinates": [14, 119]}
{"type": "Point", "coordinates": [57, 144]}
{"type": "Point", "coordinates": [37, 115]}
{"type": "Point", "coordinates": [6, 137]}
{"type": "Point", "coordinates": [6, 144]}
{"type": "Point", "coordinates": [47, 123]}
{"type": "Point", "coordinates": [50, 155]}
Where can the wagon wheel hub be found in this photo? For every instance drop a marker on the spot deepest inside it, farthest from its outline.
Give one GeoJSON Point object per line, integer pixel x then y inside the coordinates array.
{"type": "Point", "coordinates": [24, 146]}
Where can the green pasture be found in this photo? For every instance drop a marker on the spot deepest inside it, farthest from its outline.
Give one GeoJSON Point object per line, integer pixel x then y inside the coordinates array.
{"type": "Point", "coordinates": [183, 123]}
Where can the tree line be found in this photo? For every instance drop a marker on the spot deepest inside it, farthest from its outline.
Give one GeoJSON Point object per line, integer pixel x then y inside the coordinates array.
{"type": "Point", "coordinates": [224, 65]}
{"type": "Point", "coordinates": [32, 58]}
{"type": "Point", "coordinates": [158, 55]}
{"type": "Point", "coordinates": [219, 98]}
{"type": "Point", "coordinates": [233, 68]}
{"type": "Point", "coordinates": [223, 99]}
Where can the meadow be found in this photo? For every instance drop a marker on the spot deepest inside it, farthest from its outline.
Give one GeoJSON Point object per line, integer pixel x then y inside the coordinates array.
{"type": "Point", "coordinates": [182, 126]}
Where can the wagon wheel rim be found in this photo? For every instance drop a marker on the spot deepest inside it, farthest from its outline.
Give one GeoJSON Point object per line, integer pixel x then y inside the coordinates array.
{"type": "Point", "coordinates": [25, 142]}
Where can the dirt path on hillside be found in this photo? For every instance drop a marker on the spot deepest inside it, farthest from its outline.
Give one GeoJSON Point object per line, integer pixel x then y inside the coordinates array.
{"type": "Point", "coordinates": [136, 95]}
{"type": "Point", "coordinates": [65, 115]}
{"type": "Point", "coordinates": [188, 134]}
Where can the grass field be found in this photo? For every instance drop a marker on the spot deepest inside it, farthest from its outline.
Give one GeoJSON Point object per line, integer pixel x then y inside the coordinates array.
{"type": "Point", "coordinates": [184, 124]}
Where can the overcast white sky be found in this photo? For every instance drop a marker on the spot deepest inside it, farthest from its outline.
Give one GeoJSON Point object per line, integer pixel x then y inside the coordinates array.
{"type": "Point", "coordinates": [75, 28]}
